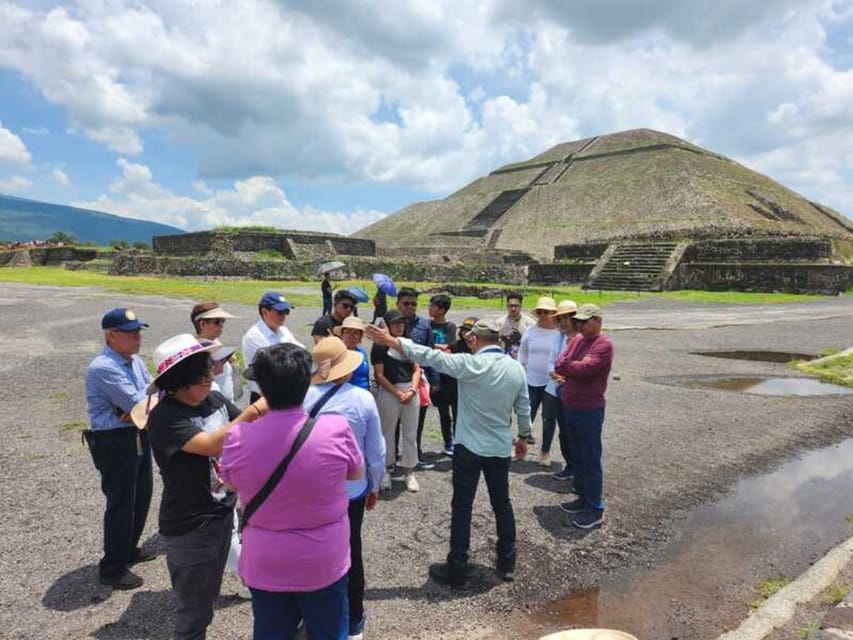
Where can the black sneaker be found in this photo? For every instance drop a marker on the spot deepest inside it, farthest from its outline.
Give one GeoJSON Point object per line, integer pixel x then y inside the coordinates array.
{"type": "Point", "coordinates": [530, 439]}
{"type": "Point", "coordinates": [588, 519]}
{"type": "Point", "coordinates": [127, 580]}
{"type": "Point", "coordinates": [139, 555]}
{"type": "Point", "coordinates": [575, 506]}
{"type": "Point", "coordinates": [507, 574]}
{"type": "Point", "coordinates": [452, 574]}
{"type": "Point", "coordinates": [565, 474]}
{"type": "Point", "coordinates": [424, 465]}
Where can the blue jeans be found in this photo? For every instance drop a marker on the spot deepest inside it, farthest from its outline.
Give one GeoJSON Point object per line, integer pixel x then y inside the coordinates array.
{"type": "Point", "coordinates": [466, 475]}
{"type": "Point", "coordinates": [584, 426]}
{"type": "Point", "coordinates": [325, 611]}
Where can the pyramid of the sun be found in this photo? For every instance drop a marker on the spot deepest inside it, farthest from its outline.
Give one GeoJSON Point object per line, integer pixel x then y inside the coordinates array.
{"type": "Point", "coordinates": [633, 185]}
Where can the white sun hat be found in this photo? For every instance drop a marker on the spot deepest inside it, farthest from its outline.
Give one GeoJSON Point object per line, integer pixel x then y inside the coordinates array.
{"type": "Point", "coordinates": [174, 350]}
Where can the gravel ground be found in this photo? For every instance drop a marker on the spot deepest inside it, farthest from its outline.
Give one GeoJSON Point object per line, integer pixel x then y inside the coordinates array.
{"type": "Point", "coordinates": [667, 450]}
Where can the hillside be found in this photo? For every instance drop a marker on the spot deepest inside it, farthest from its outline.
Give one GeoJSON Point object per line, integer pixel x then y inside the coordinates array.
{"type": "Point", "coordinates": [22, 219]}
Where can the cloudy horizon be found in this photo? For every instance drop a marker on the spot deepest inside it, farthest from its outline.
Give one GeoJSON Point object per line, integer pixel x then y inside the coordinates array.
{"type": "Point", "coordinates": [329, 116]}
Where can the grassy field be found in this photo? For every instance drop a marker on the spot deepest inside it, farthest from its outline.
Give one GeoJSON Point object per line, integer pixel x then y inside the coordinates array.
{"type": "Point", "coordinates": [299, 292]}
{"type": "Point", "coordinates": [837, 369]}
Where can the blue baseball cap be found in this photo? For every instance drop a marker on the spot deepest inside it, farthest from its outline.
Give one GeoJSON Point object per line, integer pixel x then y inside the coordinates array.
{"type": "Point", "coordinates": [123, 320]}
{"type": "Point", "coordinates": [274, 300]}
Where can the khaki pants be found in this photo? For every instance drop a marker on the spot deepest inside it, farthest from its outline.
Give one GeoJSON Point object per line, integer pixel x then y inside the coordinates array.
{"type": "Point", "coordinates": [391, 411]}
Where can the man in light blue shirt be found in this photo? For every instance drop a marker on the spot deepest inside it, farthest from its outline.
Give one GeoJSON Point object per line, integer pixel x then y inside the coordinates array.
{"type": "Point", "coordinates": [491, 386]}
{"type": "Point", "coordinates": [330, 386]}
{"type": "Point", "coordinates": [115, 381]}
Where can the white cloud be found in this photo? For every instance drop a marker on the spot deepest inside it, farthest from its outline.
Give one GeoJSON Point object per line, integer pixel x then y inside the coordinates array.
{"type": "Point", "coordinates": [35, 131]}
{"type": "Point", "coordinates": [12, 149]}
{"type": "Point", "coordinates": [258, 200]}
{"type": "Point", "coordinates": [14, 183]}
{"type": "Point", "coordinates": [431, 95]}
{"type": "Point", "coordinates": [61, 178]}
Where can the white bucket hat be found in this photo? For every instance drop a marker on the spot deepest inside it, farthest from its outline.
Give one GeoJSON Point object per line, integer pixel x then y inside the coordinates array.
{"type": "Point", "coordinates": [174, 350]}
{"type": "Point", "coordinates": [589, 634]}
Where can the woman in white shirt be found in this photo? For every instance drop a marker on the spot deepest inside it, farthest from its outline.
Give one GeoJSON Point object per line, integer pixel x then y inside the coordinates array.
{"type": "Point", "coordinates": [534, 354]}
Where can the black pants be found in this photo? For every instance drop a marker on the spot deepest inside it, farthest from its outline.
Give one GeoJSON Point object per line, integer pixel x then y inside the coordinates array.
{"type": "Point", "coordinates": [126, 482]}
{"type": "Point", "coordinates": [355, 586]}
{"type": "Point", "coordinates": [466, 475]}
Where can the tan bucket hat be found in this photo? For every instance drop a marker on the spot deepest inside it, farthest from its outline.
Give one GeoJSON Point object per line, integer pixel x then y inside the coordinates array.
{"type": "Point", "coordinates": [545, 303]}
{"type": "Point", "coordinates": [332, 360]}
{"type": "Point", "coordinates": [139, 412]}
{"type": "Point", "coordinates": [350, 322]}
{"type": "Point", "coordinates": [589, 634]}
{"type": "Point", "coordinates": [566, 306]}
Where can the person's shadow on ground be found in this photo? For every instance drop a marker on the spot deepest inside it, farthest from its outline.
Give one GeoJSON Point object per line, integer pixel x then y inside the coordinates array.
{"type": "Point", "coordinates": [556, 522]}
{"type": "Point", "coordinates": [482, 580]}
{"type": "Point", "coordinates": [150, 614]}
{"type": "Point", "coordinates": [547, 482]}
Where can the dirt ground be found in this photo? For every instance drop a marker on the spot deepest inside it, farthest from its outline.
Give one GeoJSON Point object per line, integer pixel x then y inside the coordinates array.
{"type": "Point", "coordinates": [668, 449]}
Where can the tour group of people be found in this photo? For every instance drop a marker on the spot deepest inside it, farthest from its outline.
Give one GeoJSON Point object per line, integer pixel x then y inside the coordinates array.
{"type": "Point", "coordinates": [278, 490]}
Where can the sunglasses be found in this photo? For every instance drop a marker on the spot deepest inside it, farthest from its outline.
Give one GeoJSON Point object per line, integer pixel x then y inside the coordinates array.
{"type": "Point", "coordinates": [219, 321]}
{"type": "Point", "coordinates": [281, 313]}
{"type": "Point", "coordinates": [544, 312]}
{"type": "Point", "coordinates": [409, 304]}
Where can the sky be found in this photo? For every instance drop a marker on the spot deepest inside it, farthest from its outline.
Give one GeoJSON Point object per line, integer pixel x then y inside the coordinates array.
{"type": "Point", "coordinates": [331, 115]}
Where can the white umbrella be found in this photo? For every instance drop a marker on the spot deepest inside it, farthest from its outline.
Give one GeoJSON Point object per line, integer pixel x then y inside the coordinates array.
{"type": "Point", "coordinates": [326, 267]}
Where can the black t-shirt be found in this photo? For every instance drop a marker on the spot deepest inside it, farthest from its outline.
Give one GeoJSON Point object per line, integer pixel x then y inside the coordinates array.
{"type": "Point", "coordinates": [326, 288]}
{"type": "Point", "coordinates": [395, 370]}
{"type": "Point", "coordinates": [442, 333]}
{"type": "Point", "coordinates": [324, 324]}
{"type": "Point", "coordinates": [189, 497]}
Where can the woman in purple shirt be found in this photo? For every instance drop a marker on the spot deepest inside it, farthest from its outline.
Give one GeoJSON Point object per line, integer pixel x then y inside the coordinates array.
{"type": "Point", "coordinates": [295, 554]}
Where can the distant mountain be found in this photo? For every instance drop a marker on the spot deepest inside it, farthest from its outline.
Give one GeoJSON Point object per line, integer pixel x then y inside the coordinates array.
{"type": "Point", "coordinates": [22, 219]}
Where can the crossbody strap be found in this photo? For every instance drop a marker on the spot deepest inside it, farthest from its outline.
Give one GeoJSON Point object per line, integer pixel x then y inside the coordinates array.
{"type": "Point", "coordinates": [272, 482]}
{"type": "Point", "coordinates": [276, 476]}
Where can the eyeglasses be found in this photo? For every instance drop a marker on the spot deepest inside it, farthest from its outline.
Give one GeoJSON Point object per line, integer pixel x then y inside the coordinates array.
{"type": "Point", "coordinates": [410, 303]}
{"type": "Point", "coordinates": [513, 306]}
{"type": "Point", "coordinates": [281, 313]}
{"type": "Point", "coordinates": [219, 321]}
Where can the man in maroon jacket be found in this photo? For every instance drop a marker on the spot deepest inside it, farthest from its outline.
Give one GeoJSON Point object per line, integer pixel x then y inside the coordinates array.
{"type": "Point", "coordinates": [585, 365]}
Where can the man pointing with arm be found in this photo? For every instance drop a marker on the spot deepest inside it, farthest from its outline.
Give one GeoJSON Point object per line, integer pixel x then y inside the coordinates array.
{"type": "Point", "coordinates": [491, 386]}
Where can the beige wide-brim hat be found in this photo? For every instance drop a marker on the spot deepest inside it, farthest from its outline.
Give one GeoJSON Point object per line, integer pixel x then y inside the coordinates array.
{"type": "Point", "coordinates": [332, 360]}
{"type": "Point", "coordinates": [222, 352]}
{"type": "Point", "coordinates": [350, 322]}
{"type": "Point", "coordinates": [173, 351]}
{"type": "Point", "coordinates": [589, 634]}
{"type": "Point", "coordinates": [545, 303]}
{"type": "Point", "coordinates": [139, 412]}
{"type": "Point", "coordinates": [565, 307]}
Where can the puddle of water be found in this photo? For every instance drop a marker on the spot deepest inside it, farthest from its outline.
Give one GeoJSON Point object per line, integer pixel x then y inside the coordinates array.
{"type": "Point", "coordinates": [770, 525]}
{"type": "Point", "coordinates": [782, 357]}
{"type": "Point", "coordinates": [770, 386]}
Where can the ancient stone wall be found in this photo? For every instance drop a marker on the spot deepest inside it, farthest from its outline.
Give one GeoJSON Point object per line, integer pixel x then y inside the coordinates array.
{"type": "Point", "coordinates": [356, 267]}
{"type": "Point", "coordinates": [557, 273]}
{"type": "Point", "coordinates": [289, 244]}
{"type": "Point", "coordinates": [590, 251]}
{"type": "Point", "coordinates": [789, 278]}
{"type": "Point", "coordinates": [50, 255]}
{"type": "Point", "coordinates": [760, 250]}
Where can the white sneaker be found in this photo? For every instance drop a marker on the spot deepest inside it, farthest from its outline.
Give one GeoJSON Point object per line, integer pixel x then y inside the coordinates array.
{"type": "Point", "coordinates": [385, 483]}
{"type": "Point", "coordinates": [545, 460]}
{"type": "Point", "coordinates": [412, 482]}
{"type": "Point", "coordinates": [243, 591]}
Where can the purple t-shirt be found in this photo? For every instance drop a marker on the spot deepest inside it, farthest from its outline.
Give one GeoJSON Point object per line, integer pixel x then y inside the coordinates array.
{"type": "Point", "coordinates": [298, 540]}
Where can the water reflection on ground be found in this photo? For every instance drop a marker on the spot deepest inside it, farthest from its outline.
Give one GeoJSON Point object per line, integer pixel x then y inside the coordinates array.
{"type": "Point", "coordinates": [769, 525]}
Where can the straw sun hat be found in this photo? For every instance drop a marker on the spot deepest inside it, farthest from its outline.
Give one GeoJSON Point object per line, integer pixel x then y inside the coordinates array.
{"type": "Point", "coordinates": [566, 306]}
{"type": "Point", "coordinates": [350, 322]}
{"type": "Point", "coordinates": [173, 351]}
{"type": "Point", "coordinates": [545, 303]}
{"type": "Point", "coordinates": [332, 360]}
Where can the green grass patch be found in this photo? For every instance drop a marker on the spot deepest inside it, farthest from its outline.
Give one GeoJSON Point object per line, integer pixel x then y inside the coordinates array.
{"type": "Point", "coordinates": [771, 586]}
{"type": "Point", "coordinates": [849, 519]}
{"type": "Point", "coordinates": [61, 397]}
{"type": "Point", "coordinates": [810, 628]}
{"type": "Point", "coordinates": [836, 370]}
{"type": "Point", "coordinates": [249, 291]}
{"type": "Point", "coordinates": [835, 594]}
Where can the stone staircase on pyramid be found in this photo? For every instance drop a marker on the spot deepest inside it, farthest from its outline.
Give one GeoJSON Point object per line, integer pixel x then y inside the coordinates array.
{"type": "Point", "coordinates": [635, 266]}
